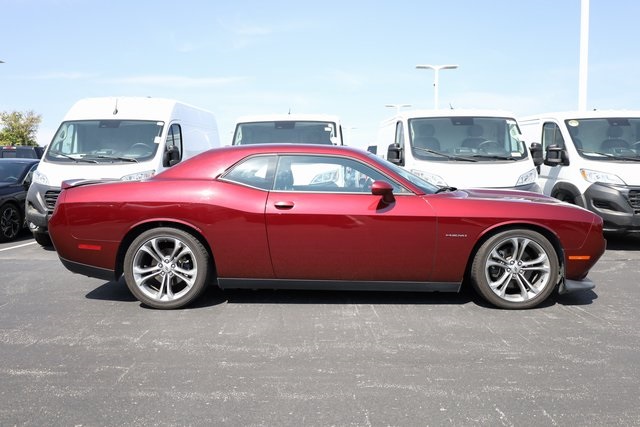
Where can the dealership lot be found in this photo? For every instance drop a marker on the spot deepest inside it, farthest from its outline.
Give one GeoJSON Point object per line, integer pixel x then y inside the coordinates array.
{"type": "Point", "coordinates": [81, 351]}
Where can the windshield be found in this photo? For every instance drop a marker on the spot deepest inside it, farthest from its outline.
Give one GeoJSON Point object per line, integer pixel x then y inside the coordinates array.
{"type": "Point", "coordinates": [425, 186]}
{"type": "Point", "coordinates": [99, 141]}
{"type": "Point", "coordinates": [293, 131]}
{"type": "Point", "coordinates": [462, 138]}
{"type": "Point", "coordinates": [606, 138]}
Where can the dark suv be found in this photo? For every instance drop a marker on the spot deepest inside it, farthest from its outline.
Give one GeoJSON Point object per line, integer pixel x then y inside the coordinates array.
{"type": "Point", "coordinates": [21, 151]}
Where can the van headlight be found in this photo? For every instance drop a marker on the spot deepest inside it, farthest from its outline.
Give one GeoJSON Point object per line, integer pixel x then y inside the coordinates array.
{"type": "Point", "coordinates": [602, 177]}
{"type": "Point", "coordinates": [40, 178]}
{"type": "Point", "coordinates": [528, 177]}
{"type": "Point", "coordinates": [138, 176]}
{"type": "Point", "coordinates": [430, 178]}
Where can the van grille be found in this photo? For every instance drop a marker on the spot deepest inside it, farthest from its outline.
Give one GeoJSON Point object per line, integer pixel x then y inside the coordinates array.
{"type": "Point", "coordinates": [50, 198]}
{"type": "Point", "coordinates": [634, 198]}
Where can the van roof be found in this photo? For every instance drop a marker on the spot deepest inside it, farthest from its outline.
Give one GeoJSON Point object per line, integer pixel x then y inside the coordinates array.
{"type": "Point", "coordinates": [413, 114]}
{"type": "Point", "coordinates": [126, 107]}
{"type": "Point", "coordinates": [288, 117]}
{"type": "Point", "coordinates": [575, 114]}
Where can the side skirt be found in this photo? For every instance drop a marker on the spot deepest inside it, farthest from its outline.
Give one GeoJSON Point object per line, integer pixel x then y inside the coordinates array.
{"type": "Point", "coordinates": [338, 285]}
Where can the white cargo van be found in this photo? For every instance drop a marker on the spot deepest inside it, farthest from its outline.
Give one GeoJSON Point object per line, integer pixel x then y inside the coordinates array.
{"type": "Point", "coordinates": [126, 138]}
{"type": "Point", "coordinates": [459, 148]}
{"type": "Point", "coordinates": [591, 159]}
{"type": "Point", "coordinates": [288, 128]}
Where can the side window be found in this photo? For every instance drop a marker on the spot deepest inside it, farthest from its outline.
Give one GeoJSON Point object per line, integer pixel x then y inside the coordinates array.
{"type": "Point", "coordinates": [255, 172]}
{"type": "Point", "coordinates": [326, 174]}
{"type": "Point", "coordinates": [551, 135]}
{"type": "Point", "coordinates": [399, 134]}
{"type": "Point", "coordinates": [174, 138]}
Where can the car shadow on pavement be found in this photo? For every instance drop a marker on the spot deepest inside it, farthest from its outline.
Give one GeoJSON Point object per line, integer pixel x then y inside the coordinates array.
{"type": "Point", "coordinates": [118, 291]}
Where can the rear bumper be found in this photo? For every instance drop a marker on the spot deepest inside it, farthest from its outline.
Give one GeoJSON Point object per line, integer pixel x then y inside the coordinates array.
{"type": "Point", "coordinates": [89, 270]}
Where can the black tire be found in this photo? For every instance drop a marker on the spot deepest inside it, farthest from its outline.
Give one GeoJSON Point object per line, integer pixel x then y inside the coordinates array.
{"type": "Point", "coordinates": [43, 239]}
{"type": "Point", "coordinates": [166, 268]}
{"type": "Point", "coordinates": [515, 269]}
{"type": "Point", "coordinates": [11, 222]}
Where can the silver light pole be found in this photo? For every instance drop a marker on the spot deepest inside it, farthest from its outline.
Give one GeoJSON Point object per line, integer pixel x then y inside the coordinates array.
{"type": "Point", "coordinates": [436, 69]}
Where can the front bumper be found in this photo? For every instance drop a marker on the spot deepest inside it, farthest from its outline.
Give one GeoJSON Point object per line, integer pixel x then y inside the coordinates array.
{"type": "Point", "coordinates": [41, 200]}
{"type": "Point", "coordinates": [568, 286]}
{"type": "Point", "coordinates": [618, 206]}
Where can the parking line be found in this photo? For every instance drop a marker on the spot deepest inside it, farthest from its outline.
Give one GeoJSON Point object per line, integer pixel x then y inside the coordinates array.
{"type": "Point", "coordinates": [18, 246]}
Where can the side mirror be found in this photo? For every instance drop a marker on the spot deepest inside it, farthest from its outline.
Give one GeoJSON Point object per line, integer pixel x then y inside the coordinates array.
{"type": "Point", "coordinates": [171, 156]}
{"type": "Point", "coordinates": [536, 153]}
{"type": "Point", "coordinates": [384, 189]}
{"type": "Point", "coordinates": [556, 156]}
{"type": "Point", "coordinates": [395, 154]}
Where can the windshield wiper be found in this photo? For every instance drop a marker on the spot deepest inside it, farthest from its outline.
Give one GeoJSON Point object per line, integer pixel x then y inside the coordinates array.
{"type": "Point", "coordinates": [611, 156]}
{"type": "Point", "coordinates": [448, 156]}
{"type": "Point", "coordinates": [124, 159]}
{"type": "Point", "coordinates": [445, 188]}
{"type": "Point", "coordinates": [75, 159]}
{"type": "Point", "coordinates": [494, 156]}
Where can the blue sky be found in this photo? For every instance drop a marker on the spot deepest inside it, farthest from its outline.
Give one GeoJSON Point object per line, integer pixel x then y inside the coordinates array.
{"type": "Point", "coordinates": [348, 58]}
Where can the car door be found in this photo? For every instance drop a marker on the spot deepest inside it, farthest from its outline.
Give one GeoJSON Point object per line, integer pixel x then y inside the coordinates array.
{"type": "Point", "coordinates": [323, 223]}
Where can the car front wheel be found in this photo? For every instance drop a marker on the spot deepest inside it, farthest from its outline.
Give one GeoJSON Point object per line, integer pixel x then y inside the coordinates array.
{"type": "Point", "coordinates": [166, 268]}
{"type": "Point", "coordinates": [515, 269]}
{"type": "Point", "coordinates": [10, 222]}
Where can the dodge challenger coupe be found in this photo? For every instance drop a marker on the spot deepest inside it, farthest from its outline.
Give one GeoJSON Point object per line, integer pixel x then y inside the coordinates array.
{"type": "Point", "coordinates": [285, 216]}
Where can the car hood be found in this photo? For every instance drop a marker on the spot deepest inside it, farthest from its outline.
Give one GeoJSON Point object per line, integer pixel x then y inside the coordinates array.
{"type": "Point", "coordinates": [513, 195]}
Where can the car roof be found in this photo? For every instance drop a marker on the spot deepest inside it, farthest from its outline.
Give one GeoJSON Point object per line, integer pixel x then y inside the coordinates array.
{"type": "Point", "coordinates": [217, 160]}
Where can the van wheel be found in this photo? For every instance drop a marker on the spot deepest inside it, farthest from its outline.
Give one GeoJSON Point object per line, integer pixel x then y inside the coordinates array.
{"type": "Point", "coordinates": [166, 268]}
{"type": "Point", "coordinates": [566, 197]}
{"type": "Point", "coordinates": [43, 239]}
{"type": "Point", "coordinates": [10, 222]}
{"type": "Point", "coordinates": [515, 269]}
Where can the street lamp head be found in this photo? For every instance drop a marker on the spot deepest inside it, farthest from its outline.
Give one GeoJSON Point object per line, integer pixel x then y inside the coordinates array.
{"type": "Point", "coordinates": [436, 67]}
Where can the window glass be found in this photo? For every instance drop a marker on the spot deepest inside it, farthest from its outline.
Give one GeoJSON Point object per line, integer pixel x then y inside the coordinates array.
{"type": "Point", "coordinates": [290, 131]}
{"type": "Point", "coordinates": [174, 138]}
{"type": "Point", "coordinates": [551, 135]}
{"type": "Point", "coordinates": [606, 138]}
{"type": "Point", "coordinates": [327, 174]}
{"type": "Point", "coordinates": [255, 171]}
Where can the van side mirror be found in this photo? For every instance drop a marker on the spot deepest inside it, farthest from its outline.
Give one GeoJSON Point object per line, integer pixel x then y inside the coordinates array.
{"type": "Point", "coordinates": [384, 189]}
{"type": "Point", "coordinates": [171, 156]}
{"type": "Point", "coordinates": [395, 154]}
{"type": "Point", "coordinates": [536, 153]}
{"type": "Point", "coordinates": [556, 156]}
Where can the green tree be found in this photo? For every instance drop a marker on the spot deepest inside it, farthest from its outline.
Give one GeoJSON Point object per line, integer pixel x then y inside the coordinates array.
{"type": "Point", "coordinates": [19, 128]}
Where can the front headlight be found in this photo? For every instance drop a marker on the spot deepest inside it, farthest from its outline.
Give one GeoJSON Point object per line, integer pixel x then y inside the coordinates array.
{"type": "Point", "coordinates": [602, 177]}
{"type": "Point", "coordinates": [528, 177]}
{"type": "Point", "coordinates": [40, 178]}
{"type": "Point", "coordinates": [138, 176]}
{"type": "Point", "coordinates": [430, 178]}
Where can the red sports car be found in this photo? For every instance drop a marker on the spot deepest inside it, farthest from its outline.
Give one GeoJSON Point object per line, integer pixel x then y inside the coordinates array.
{"type": "Point", "coordinates": [319, 217]}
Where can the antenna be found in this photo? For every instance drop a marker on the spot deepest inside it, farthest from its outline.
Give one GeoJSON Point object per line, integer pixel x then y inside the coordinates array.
{"type": "Point", "coordinates": [115, 110]}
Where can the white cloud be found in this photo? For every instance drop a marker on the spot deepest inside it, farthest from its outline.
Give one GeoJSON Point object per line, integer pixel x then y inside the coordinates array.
{"type": "Point", "coordinates": [60, 76]}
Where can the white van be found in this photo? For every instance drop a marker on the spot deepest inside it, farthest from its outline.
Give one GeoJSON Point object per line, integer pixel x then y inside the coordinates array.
{"type": "Point", "coordinates": [288, 128]}
{"type": "Point", "coordinates": [592, 159]}
{"type": "Point", "coordinates": [125, 138]}
{"type": "Point", "coordinates": [459, 148]}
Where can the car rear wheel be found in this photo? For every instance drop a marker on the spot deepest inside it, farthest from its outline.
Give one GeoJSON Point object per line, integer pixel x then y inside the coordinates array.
{"type": "Point", "coordinates": [10, 222]}
{"type": "Point", "coordinates": [515, 269]}
{"type": "Point", "coordinates": [166, 268]}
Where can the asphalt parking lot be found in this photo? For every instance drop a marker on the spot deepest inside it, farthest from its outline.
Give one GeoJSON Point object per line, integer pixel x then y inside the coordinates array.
{"type": "Point", "coordinates": [81, 351]}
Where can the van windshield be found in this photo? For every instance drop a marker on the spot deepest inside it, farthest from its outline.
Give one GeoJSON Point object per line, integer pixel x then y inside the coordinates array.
{"type": "Point", "coordinates": [606, 138]}
{"type": "Point", "coordinates": [105, 141]}
{"type": "Point", "coordinates": [483, 139]}
{"type": "Point", "coordinates": [290, 131]}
